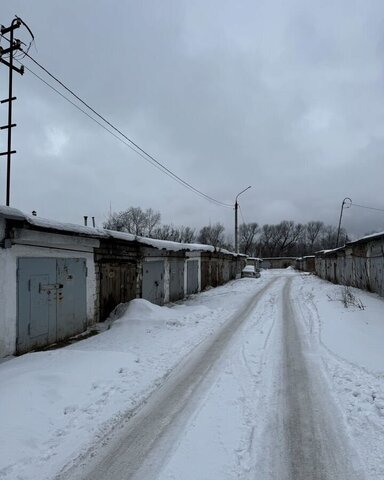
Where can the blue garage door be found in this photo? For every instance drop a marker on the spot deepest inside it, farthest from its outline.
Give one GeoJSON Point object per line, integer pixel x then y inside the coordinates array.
{"type": "Point", "coordinates": [51, 300]}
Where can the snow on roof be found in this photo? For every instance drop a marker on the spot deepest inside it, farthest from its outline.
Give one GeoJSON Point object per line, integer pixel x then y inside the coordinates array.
{"type": "Point", "coordinates": [46, 224]}
{"type": "Point", "coordinates": [162, 244]}
{"type": "Point", "coordinates": [331, 250]}
{"type": "Point", "coordinates": [12, 213]}
{"type": "Point", "coordinates": [367, 238]}
{"type": "Point", "coordinates": [66, 227]}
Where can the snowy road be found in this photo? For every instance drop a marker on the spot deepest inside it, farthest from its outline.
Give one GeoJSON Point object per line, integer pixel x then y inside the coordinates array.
{"type": "Point", "coordinates": [273, 378]}
{"type": "Point", "coordinates": [306, 437]}
{"type": "Point", "coordinates": [139, 451]}
{"type": "Point", "coordinates": [287, 429]}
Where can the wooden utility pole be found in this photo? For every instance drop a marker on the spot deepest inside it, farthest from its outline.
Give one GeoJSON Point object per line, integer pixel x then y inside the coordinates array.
{"type": "Point", "coordinates": [14, 45]}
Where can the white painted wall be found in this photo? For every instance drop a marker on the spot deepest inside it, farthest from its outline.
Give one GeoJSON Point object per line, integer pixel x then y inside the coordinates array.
{"type": "Point", "coordinates": [8, 283]}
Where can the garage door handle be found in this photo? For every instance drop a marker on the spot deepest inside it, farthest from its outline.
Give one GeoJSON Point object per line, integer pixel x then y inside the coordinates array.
{"type": "Point", "coordinates": [50, 286]}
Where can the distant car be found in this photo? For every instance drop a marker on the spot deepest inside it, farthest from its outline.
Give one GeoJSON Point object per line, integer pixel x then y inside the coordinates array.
{"type": "Point", "coordinates": [249, 271]}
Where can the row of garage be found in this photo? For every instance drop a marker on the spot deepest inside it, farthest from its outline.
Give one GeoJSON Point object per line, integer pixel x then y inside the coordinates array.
{"type": "Point", "coordinates": [58, 279]}
{"type": "Point", "coordinates": [358, 264]}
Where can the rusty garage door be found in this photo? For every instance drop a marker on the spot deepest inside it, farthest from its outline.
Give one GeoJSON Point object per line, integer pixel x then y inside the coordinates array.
{"type": "Point", "coordinates": [51, 300]}
{"type": "Point", "coordinates": [117, 285]}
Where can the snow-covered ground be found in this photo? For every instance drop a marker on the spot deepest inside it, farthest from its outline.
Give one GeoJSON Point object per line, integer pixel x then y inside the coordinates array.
{"type": "Point", "coordinates": [349, 325]}
{"type": "Point", "coordinates": [60, 408]}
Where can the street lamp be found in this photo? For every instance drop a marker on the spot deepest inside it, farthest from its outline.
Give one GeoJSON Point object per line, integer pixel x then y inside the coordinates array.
{"type": "Point", "coordinates": [236, 229]}
{"type": "Point", "coordinates": [347, 201]}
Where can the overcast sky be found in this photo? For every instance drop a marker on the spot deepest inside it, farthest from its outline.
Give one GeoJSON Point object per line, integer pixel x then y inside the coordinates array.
{"type": "Point", "coordinates": [286, 96]}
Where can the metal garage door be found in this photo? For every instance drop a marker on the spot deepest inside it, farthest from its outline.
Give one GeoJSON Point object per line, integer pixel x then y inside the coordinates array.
{"type": "Point", "coordinates": [192, 276]}
{"type": "Point", "coordinates": [117, 285]}
{"type": "Point", "coordinates": [176, 280]}
{"type": "Point", "coordinates": [51, 300]}
{"type": "Point", "coordinates": [153, 282]}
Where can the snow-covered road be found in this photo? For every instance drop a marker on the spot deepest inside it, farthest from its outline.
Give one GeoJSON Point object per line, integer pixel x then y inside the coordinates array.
{"type": "Point", "coordinates": [141, 449]}
{"type": "Point", "coordinates": [270, 378]}
{"type": "Point", "coordinates": [304, 436]}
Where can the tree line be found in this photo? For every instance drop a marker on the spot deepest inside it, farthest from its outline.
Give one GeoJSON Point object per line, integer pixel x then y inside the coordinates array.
{"type": "Point", "coordinates": [286, 238]}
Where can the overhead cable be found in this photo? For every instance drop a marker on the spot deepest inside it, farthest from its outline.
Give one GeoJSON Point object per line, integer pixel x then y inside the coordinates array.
{"type": "Point", "coordinates": [369, 208]}
{"type": "Point", "coordinates": [96, 121]}
{"type": "Point", "coordinates": [139, 150]}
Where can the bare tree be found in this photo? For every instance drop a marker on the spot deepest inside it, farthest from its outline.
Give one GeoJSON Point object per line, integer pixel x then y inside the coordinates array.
{"type": "Point", "coordinates": [187, 234]}
{"type": "Point", "coordinates": [152, 220]}
{"type": "Point", "coordinates": [175, 234]}
{"type": "Point", "coordinates": [313, 231]}
{"type": "Point", "coordinates": [212, 235]}
{"type": "Point", "coordinates": [247, 234]}
{"type": "Point", "coordinates": [134, 220]}
{"type": "Point", "coordinates": [289, 235]}
{"type": "Point", "coordinates": [329, 237]}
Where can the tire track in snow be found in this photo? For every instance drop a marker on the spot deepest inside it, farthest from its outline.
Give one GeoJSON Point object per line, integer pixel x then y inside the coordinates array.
{"type": "Point", "coordinates": [139, 450]}
{"type": "Point", "coordinates": [305, 437]}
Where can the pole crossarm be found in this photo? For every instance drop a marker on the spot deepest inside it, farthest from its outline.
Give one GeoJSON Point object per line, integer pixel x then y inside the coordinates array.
{"type": "Point", "coordinates": [16, 69]}
{"type": "Point", "coordinates": [16, 23]}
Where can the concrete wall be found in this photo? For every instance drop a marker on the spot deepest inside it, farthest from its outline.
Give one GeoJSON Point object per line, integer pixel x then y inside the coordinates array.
{"type": "Point", "coordinates": [278, 262]}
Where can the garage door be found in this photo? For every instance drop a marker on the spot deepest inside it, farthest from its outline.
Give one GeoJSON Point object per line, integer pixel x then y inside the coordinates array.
{"type": "Point", "coordinates": [117, 285]}
{"type": "Point", "coordinates": [51, 300]}
{"type": "Point", "coordinates": [192, 276]}
{"type": "Point", "coordinates": [153, 282]}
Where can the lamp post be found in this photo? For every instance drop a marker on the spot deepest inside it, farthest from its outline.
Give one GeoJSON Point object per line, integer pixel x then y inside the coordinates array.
{"type": "Point", "coordinates": [346, 201]}
{"type": "Point", "coordinates": [236, 229]}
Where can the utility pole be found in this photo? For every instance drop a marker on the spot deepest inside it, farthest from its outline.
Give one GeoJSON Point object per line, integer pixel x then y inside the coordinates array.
{"type": "Point", "coordinates": [14, 45]}
{"type": "Point", "coordinates": [348, 202]}
{"type": "Point", "coordinates": [236, 223]}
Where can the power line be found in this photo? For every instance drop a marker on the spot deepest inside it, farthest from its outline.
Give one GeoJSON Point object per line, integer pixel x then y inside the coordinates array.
{"type": "Point", "coordinates": [369, 208]}
{"type": "Point", "coordinates": [145, 155]}
{"type": "Point", "coordinates": [94, 119]}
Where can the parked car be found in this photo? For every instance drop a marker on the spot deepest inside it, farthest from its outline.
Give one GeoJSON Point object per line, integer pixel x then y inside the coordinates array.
{"type": "Point", "coordinates": [250, 271]}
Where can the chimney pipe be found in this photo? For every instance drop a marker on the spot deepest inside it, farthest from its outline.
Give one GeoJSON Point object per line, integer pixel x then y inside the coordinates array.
{"type": "Point", "coordinates": [85, 220]}
{"type": "Point", "coordinates": [93, 222]}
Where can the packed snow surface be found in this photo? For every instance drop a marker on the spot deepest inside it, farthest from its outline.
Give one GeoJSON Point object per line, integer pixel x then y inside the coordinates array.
{"type": "Point", "coordinates": [65, 410]}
